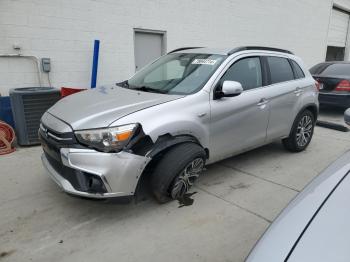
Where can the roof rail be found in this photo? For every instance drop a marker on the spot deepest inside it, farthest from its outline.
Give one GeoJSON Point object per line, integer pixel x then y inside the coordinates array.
{"type": "Point", "coordinates": [183, 48]}
{"type": "Point", "coordinates": [243, 48]}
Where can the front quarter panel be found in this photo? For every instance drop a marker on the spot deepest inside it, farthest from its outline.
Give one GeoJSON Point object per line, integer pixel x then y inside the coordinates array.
{"type": "Point", "coordinates": [189, 115]}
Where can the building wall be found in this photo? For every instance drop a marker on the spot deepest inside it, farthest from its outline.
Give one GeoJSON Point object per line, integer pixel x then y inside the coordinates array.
{"type": "Point", "coordinates": [64, 31]}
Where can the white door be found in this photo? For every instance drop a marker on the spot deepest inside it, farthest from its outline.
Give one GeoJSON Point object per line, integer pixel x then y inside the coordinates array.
{"type": "Point", "coordinates": [148, 47]}
{"type": "Point", "coordinates": [338, 28]}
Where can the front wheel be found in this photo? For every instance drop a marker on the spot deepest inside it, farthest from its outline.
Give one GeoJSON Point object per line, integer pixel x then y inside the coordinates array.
{"type": "Point", "coordinates": [177, 171]}
{"type": "Point", "coordinates": [301, 133]}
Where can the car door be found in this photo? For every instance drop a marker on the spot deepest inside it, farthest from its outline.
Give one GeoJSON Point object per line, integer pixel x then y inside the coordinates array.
{"type": "Point", "coordinates": [239, 123]}
{"type": "Point", "coordinates": [284, 96]}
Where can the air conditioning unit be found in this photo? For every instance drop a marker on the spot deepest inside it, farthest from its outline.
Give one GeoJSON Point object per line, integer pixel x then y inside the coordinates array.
{"type": "Point", "coordinates": [28, 105]}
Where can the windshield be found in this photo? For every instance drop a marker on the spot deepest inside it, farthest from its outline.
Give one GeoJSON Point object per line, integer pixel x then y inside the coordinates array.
{"type": "Point", "coordinates": [176, 73]}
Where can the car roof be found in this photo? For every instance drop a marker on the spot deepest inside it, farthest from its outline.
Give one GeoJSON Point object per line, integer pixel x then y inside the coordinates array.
{"type": "Point", "coordinates": [205, 50]}
{"type": "Point", "coordinates": [229, 50]}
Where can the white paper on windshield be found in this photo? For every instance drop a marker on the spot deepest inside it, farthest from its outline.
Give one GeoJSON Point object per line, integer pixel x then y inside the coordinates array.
{"type": "Point", "coordinates": [204, 62]}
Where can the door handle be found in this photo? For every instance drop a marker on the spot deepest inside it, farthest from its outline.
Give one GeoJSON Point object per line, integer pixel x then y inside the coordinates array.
{"type": "Point", "coordinates": [263, 101]}
{"type": "Point", "coordinates": [298, 91]}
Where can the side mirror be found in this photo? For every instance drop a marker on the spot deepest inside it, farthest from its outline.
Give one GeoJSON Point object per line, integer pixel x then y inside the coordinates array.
{"type": "Point", "coordinates": [347, 116]}
{"type": "Point", "coordinates": [229, 89]}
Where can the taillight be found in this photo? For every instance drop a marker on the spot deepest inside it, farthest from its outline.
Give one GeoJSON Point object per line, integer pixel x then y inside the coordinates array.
{"type": "Point", "coordinates": [317, 85]}
{"type": "Point", "coordinates": [343, 85]}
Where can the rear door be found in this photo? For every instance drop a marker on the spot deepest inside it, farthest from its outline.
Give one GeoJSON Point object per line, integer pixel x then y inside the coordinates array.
{"type": "Point", "coordinates": [285, 96]}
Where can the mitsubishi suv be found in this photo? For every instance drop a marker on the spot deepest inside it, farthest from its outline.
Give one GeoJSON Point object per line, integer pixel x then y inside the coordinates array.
{"type": "Point", "coordinates": [189, 108]}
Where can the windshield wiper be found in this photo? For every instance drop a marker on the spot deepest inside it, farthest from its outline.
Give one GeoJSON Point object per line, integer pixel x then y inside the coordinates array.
{"type": "Point", "coordinates": [124, 84]}
{"type": "Point", "coordinates": [147, 89]}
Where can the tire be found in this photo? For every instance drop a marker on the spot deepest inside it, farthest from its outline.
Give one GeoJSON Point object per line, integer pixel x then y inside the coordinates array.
{"type": "Point", "coordinates": [169, 179]}
{"type": "Point", "coordinates": [301, 133]}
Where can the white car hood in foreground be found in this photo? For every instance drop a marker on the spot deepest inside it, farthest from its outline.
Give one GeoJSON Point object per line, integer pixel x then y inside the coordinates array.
{"type": "Point", "coordinates": [281, 238]}
{"type": "Point", "coordinates": [100, 107]}
{"type": "Point", "coordinates": [328, 236]}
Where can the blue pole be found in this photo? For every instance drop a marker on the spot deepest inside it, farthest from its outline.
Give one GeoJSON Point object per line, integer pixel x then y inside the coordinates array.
{"type": "Point", "coordinates": [95, 63]}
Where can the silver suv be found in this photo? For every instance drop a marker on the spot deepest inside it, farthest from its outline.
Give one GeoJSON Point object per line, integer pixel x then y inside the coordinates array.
{"type": "Point", "coordinates": [191, 107]}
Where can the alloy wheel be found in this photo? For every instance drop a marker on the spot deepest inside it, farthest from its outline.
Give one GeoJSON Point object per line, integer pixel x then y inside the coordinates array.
{"type": "Point", "coordinates": [304, 131]}
{"type": "Point", "coordinates": [187, 178]}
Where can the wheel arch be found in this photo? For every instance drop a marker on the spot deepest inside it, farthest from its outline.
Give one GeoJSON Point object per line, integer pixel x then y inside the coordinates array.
{"type": "Point", "coordinates": [163, 144]}
{"type": "Point", "coordinates": [313, 108]}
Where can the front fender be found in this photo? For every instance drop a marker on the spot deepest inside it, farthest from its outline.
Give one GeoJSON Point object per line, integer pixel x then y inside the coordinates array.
{"type": "Point", "coordinates": [186, 116]}
{"type": "Point", "coordinates": [166, 141]}
{"type": "Point", "coordinates": [179, 128]}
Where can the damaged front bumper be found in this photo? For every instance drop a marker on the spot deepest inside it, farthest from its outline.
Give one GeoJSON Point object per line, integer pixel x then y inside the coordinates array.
{"type": "Point", "coordinates": [93, 174]}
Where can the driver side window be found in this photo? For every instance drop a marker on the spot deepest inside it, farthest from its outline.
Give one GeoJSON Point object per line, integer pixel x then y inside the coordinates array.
{"type": "Point", "coordinates": [246, 71]}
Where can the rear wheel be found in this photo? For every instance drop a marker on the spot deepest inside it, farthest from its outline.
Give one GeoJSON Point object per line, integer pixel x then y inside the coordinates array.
{"type": "Point", "coordinates": [301, 133]}
{"type": "Point", "coordinates": [177, 171]}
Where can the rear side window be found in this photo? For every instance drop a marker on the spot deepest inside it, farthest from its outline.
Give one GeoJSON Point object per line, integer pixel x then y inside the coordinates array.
{"type": "Point", "coordinates": [246, 71]}
{"type": "Point", "coordinates": [280, 69]}
{"type": "Point", "coordinates": [297, 70]}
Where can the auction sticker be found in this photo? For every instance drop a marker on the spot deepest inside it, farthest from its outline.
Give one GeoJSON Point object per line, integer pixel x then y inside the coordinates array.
{"type": "Point", "coordinates": [204, 62]}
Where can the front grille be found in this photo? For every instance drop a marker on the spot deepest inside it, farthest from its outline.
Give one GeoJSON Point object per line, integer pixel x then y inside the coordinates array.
{"type": "Point", "coordinates": [66, 172]}
{"type": "Point", "coordinates": [81, 181]}
{"type": "Point", "coordinates": [62, 139]}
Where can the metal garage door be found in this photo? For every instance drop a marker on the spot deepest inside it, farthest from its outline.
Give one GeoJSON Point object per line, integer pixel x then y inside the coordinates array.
{"type": "Point", "coordinates": [338, 28]}
{"type": "Point", "coordinates": [148, 47]}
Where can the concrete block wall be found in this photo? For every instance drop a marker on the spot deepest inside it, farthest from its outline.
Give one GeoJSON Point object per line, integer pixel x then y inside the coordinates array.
{"type": "Point", "coordinates": [64, 31]}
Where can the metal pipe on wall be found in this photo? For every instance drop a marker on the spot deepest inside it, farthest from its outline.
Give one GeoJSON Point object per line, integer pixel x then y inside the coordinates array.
{"type": "Point", "coordinates": [95, 63]}
{"type": "Point", "coordinates": [36, 60]}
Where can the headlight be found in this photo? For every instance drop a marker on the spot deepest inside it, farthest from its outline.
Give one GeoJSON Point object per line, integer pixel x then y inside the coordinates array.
{"type": "Point", "coordinates": [110, 139]}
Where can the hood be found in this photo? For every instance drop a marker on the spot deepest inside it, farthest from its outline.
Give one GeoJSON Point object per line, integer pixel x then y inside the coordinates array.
{"type": "Point", "coordinates": [307, 207]}
{"type": "Point", "coordinates": [100, 107]}
{"type": "Point", "coordinates": [330, 228]}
